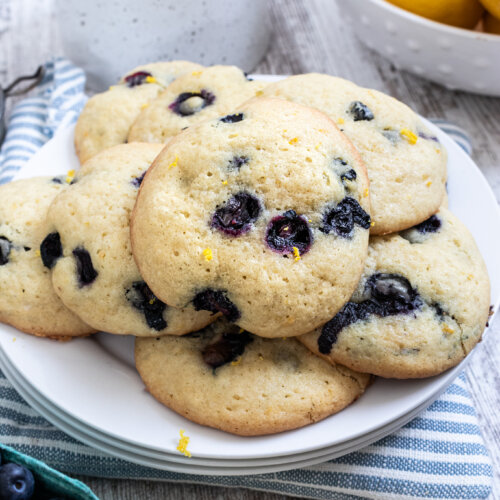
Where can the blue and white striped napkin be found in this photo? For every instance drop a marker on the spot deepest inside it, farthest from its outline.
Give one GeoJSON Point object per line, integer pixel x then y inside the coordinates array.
{"type": "Point", "coordinates": [439, 454]}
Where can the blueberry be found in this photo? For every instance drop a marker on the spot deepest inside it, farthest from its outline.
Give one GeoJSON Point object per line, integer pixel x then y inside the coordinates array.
{"type": "Point", "coordinates": [51, 249]}
{"type": "Point", "coordinates": [287, 231]}
{"type": "Point", "coordinates": [342, 218]}
{"type": "Point", "coordinates": [386, 295]}
{"type": "Point", "coordinates": [431, 225]}
{"type": "Point", "coordinates": [16, 482]}
{"type": "Point", "coordinates": [136, 78]}
{"type": "Point", "coordinates": [393, 294]}
{"type": "Point", "coordinates": [228, 347]}
{"type": "Point", "coordinates": [5, 248]}
{"type": "Point", "coordinates": [237, 117]}
{"type": "Point", "coordinates": [237, 162]}
{"type": "Point", "coordinates": [216, 301]}
{"type": "Point", "coordinates": [84, 268]}
{"type": "Point", "coordinates": [349, 314]}
{"type": "Point", "coordinates": [189, 103]}
{"type": "Point", "coordinates": [137, 181]}
{"type": "Point", "coordinates": [142, 298]}
{"type": "Point", "coordinates": [236, 216]}
{"type": "Point", "coordinates": [427, 137]}
{"type": "Point", "coordinates": [360, 111]}
{"type": "Point", "coordinates": [56, 180]}
{"type": "Point", "coordinates": [349, 175]}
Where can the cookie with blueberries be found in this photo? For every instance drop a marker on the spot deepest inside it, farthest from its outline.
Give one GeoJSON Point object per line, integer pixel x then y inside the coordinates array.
{"type": "Point", "coordinates": [27, 299]}
{"type": "Point", "coordinates": [191, 99]}
{"type": "Point", "coordinates": [420, 307]}
{"type": "Point", "coordinates": [261, 215]}
{"type": "Point", "coordinates": [405, 161]}
{"type": "Point", "coordinates": [107, 117]}
{"type": "Point", "coordinates": [244, 384]}
{"type": "Point", "coordinates": [93, 270]}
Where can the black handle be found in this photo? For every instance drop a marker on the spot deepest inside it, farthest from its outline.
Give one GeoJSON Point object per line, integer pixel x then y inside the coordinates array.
{"type": "Point", "coordinates": [36, 77]}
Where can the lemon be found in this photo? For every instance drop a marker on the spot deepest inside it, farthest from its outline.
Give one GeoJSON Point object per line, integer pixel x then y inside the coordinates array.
{"type": "Point", "coordinates": [492, 6]}
{"type": "Point", "coordinates": [460, 13]}
{"type": "Point", "coordinates": [491, 24]}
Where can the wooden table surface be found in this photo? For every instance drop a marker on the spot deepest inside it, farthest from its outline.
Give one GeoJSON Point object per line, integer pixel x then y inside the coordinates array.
{"type": "Point", "coordinates": [308, 36]}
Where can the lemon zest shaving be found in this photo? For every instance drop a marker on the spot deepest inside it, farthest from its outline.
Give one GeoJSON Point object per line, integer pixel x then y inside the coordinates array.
{"type": "Point", "coordinates": [366, 193]}
{"type": "Point", "coordinates": [429, 183]}
{"type": "Point", "coordinates": [447, 329]}
{"type": "Point", "coordinates": [207, 253]}
{"type": "Point", "coordinates": [224, 182]}
{"type": "Point", "coordinates": [145, 105]}
{"type": "Point", "coordinates": [237, 361]}
{"type": "Point", "coordinates": [259, 93]}
{"type": "Point", "coordinates": [409, 135]}
{"type": "Point", "coordinates": [293, 141]}
{"type": "Point", "coordinates": [152, 301]}
{"type": "Point", "coordinates": [183, 444]}
{"type": "Point", "coordinates": [196, 73]}
{"type": "Point", "coordinates": [296, 254]}
{"type": "Point", "coordinates": [69, 176]}
{"type": "Point", "coordinates": [372, 223]}
{"type": "Point", "coordinates": [174, 163]}
{"type": "Point", "coordinates": [340, 121]}
{"type": "Point", "coordinates": [151, 79]}
{"type": "Point", "coordinates": [37, 252]}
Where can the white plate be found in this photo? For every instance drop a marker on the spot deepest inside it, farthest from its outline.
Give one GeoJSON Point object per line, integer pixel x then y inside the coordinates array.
{"type": "Point", "coordinates": [93, 380]}
{"type": "Point", "coordinates": [175, 463]}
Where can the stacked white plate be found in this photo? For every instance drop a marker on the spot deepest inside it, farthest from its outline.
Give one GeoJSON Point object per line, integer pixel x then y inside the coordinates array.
{"type": "Point", "coordinates": [90, 389]}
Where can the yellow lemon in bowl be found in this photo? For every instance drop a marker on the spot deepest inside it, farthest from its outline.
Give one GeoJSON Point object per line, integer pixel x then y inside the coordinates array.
{"type": "Point", "coordinates": [491, 24]}
{"type": "Point", "coordinates": [492, 6]}
{"type": "Point", "coordinates": [460, 13]}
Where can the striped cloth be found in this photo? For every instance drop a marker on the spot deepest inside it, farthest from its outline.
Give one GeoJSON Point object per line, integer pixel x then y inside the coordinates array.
{"type": "Point", "coordinates": [439, 454]}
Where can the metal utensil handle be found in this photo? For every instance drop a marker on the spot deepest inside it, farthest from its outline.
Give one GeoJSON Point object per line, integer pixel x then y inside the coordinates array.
{"type": "Point", "coordinates": [36, 77]}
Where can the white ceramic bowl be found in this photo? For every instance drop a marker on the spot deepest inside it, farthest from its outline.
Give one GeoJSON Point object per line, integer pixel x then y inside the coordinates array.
{"type": "Point", "coordinates": [455, 57]}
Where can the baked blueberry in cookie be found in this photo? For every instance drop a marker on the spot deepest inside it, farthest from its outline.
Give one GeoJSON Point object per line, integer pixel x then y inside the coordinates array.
{"type": "Point", "coordinates": [143, 299]}
{"type": "Point", "coordinates": [137, 181]}
{"type": "Point", "coordinates": [189, 103]}
{"type": "Point", "coordinates": [236, 216]}
{"type": "Point", "coordinates": [342, 218]}
{"type": "Point", "coordinates": [422, 231]}
{"type": "Point", "coordinates": [360, 111]}
{"type": "Point", "coordinates": [234, 118]}
{"type": "Point", "coordinates": [5, 247]}
{"type": "Point", "coordinates": [288, 231]}
{"type": "Point", "coordinates": [216, 301]}
{"type": "Point", "coordinates": [51, 249]}
{"type": "Point", "coordinates": [386, 294]}
{"type": "Point", "coordinates": [84, 268]}
{"type": "Point", "coordinates": [237, 162]}
{"type": "Point", "coordinates": [137, 78]}
{"type": "Point", "coordinates": [226, 348]}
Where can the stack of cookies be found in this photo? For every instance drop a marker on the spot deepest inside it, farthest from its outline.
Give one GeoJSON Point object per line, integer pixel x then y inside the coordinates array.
{"type": "Point", "coordinates": [272, 247]}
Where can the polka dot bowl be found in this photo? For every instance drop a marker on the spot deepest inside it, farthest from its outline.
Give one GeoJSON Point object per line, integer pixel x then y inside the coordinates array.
{"type": "Point", "coordinates": [457, 58]}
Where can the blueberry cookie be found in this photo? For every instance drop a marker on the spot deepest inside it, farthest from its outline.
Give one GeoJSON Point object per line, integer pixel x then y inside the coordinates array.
{"type": "Point", "coordinates": [193, 98]}
{"type": "Point", "coordinates": [93, 270]}
{"type": "Point", "coordinates": [27, 300]}
{"type": "Point", "coordinates": [106, 118]}
{"type": "Point", "coordinates": [261, 215]}
{"type": "Point", "coordinates": [406, 163]}
{"type": "Point", "coordinates": [420, 307]}
{"type": "Point", "coordinates": [243, 384]}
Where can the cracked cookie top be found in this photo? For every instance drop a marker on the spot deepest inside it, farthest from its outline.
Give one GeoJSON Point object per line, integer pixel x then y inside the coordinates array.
{"type": "Point", "coordinates": [240, 383]}
{"type": "Point", "coordinates": [420, 307]}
